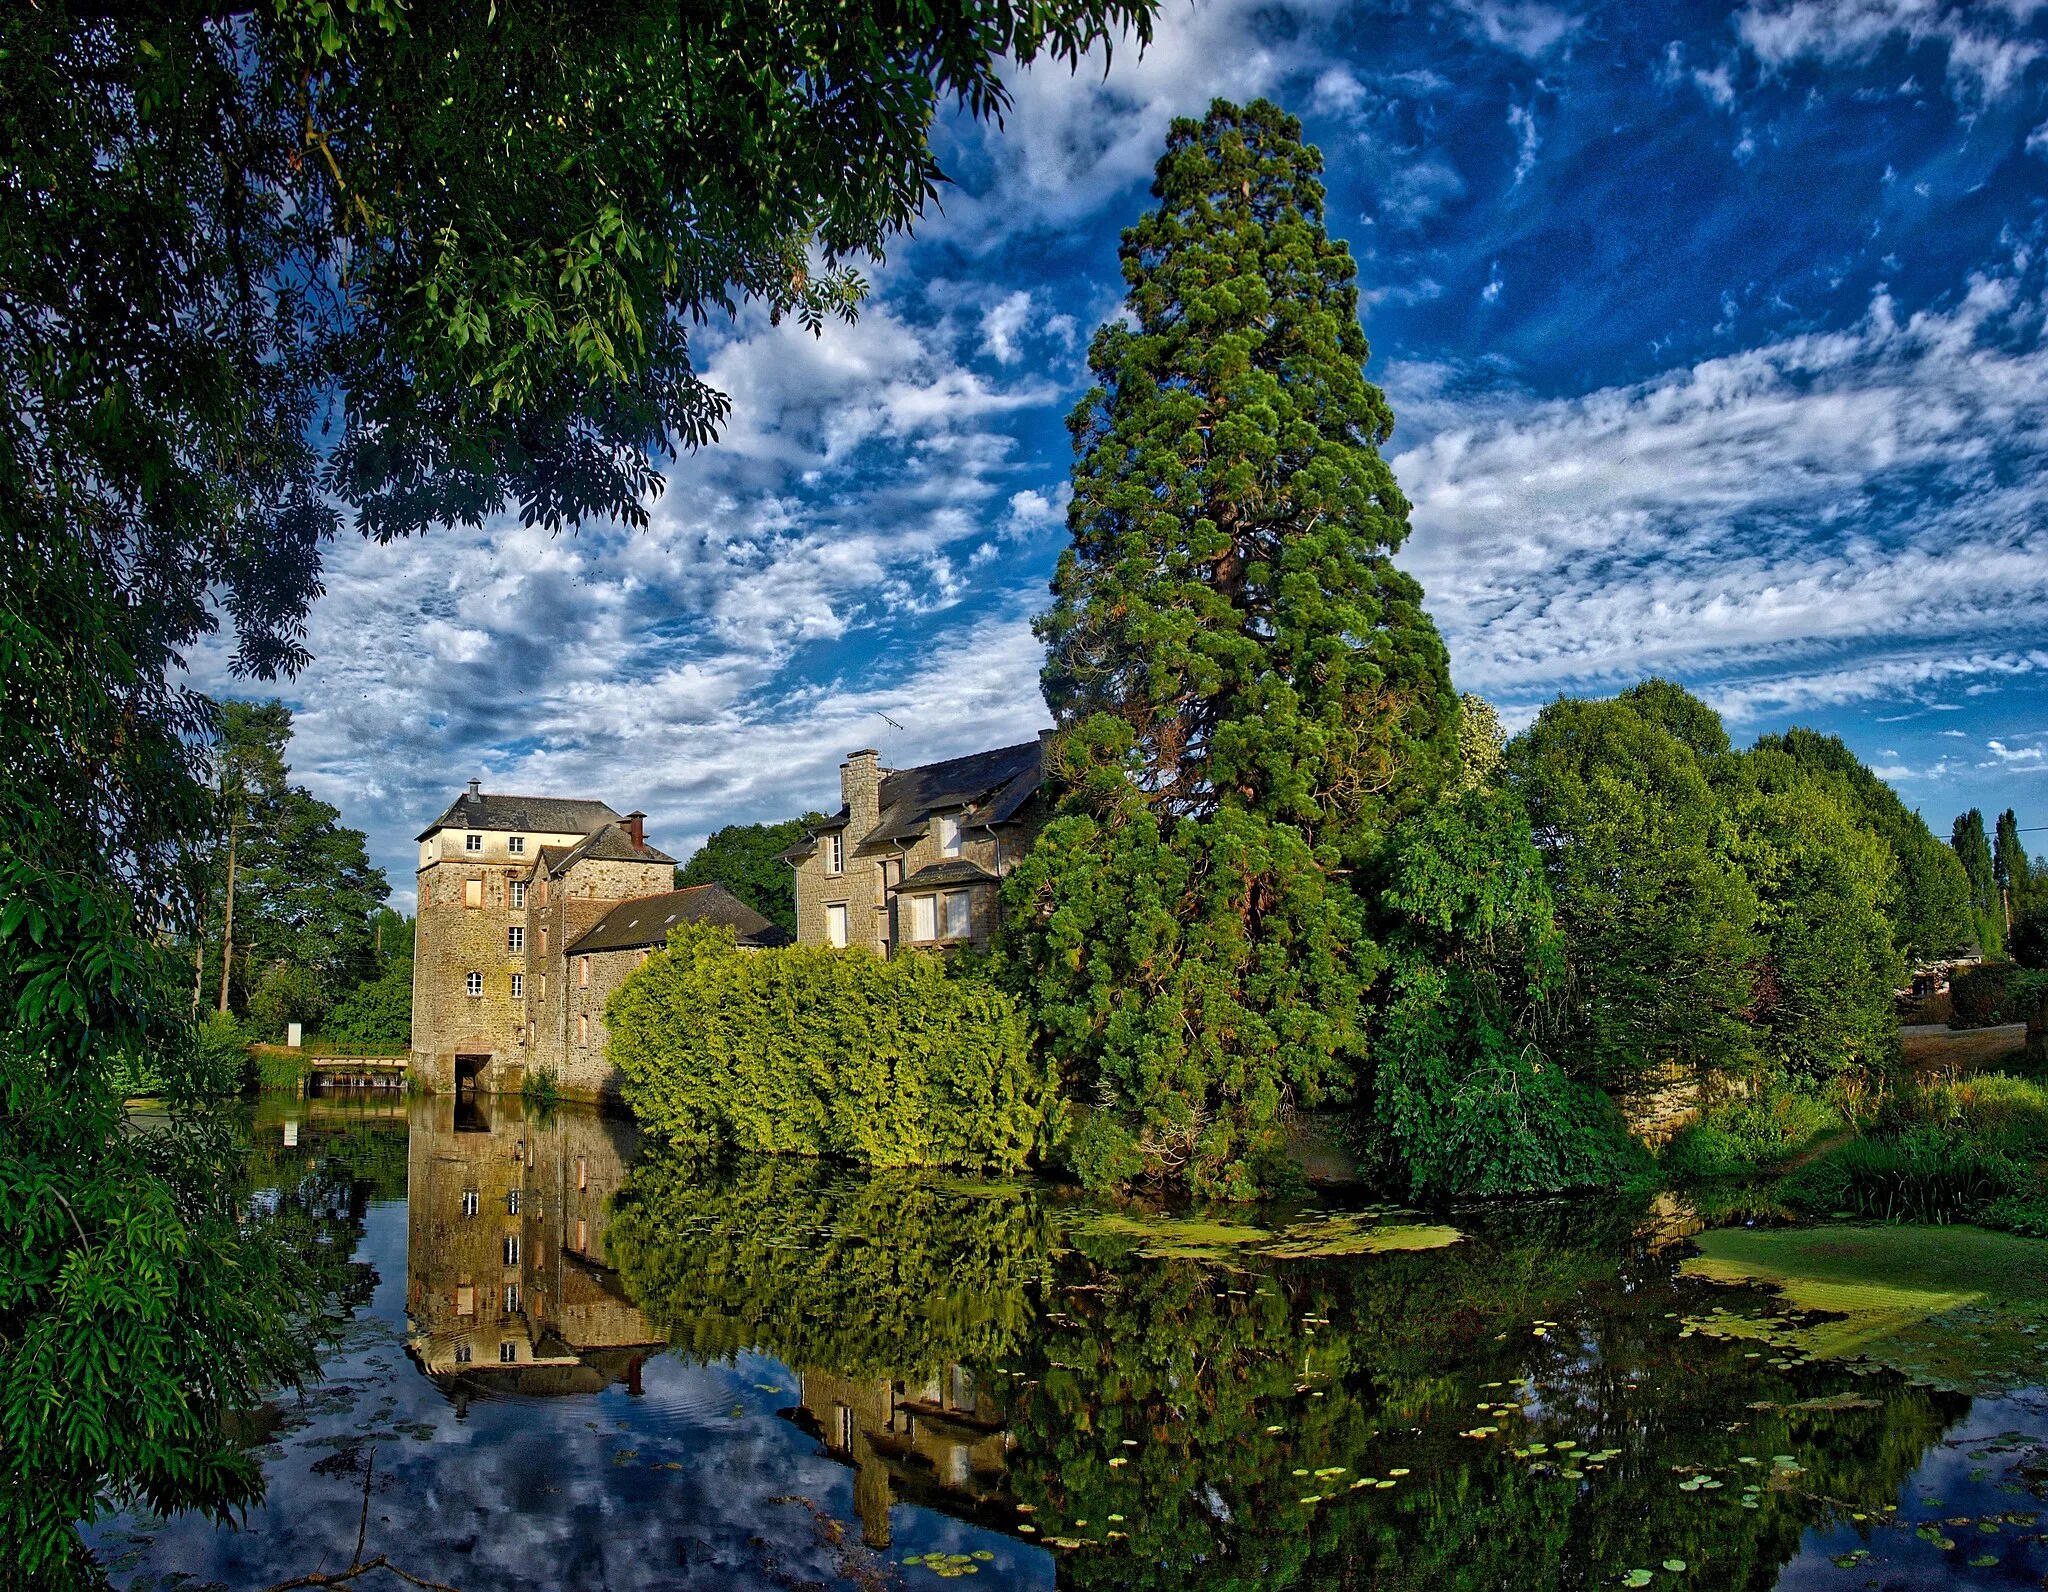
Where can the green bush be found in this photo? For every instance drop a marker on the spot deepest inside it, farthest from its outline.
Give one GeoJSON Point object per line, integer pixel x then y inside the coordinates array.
{"type": "Point", "coordinates": [1986, 995]}
{"type": "Point", "coordinates": [374, 1018]}
{"type": "Point", "coordinates": [810, 1051]}
{"type": "Point", "coordinates": [221, 1042]}
{"type": "Point", "coordinates": [540, 1088]}
{"type": "Point", "coordinates": [1926, 1175]}
{"type": "Point", "coordinates": [1774, 1123]}
{"type": "Point", "coordinates": [287, 995]}
{"type": "Point", "coordinates": [2025, 1214]}
{"type": "Point", "coordinates": [1703, 1152]}
{"type": "Point", "coordinates": [280, 1069]}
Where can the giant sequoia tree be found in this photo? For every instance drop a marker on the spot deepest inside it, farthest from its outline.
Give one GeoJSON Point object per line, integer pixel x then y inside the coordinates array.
{"type": "Point", "coordinates": [1248, 688]}
{"type": "Point", "coordinates": [266, 268]}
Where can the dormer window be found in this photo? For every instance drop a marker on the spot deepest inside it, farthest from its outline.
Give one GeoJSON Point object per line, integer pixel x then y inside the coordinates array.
{"type": "Point", "coordinates": [835, 852]}
{"type": "Point", "coordinates": [516, 845]}
{"type": "Point", "coordinates": [472, 842]}
{"type": "Point", "coordinates": [949, 834]}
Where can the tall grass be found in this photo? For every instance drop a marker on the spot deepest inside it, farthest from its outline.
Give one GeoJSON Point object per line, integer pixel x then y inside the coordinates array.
{"type": "Point", "coordinates": [1928, 1174]}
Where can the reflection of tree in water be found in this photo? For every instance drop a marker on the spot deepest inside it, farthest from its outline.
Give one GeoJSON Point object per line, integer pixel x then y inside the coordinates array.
{"type": "Point", "coordinates": [312, 1194]}
{"type": "Point", "coordinates": [1137, 1393]}
{"type": "Point", "coordinates": [897, 1274]}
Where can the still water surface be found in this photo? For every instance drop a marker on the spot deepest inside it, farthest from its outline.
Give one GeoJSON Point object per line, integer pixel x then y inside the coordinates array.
{"type": "Point", "coordinates": [579, 1371]}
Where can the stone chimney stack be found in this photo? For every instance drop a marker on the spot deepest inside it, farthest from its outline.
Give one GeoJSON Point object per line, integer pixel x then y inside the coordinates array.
{"type": "Point", "coordinates": [636, 828]}
{"type": "Point", "coordinates": [860, 787]}
{"type": "Point", "coordinates": [476, 790]}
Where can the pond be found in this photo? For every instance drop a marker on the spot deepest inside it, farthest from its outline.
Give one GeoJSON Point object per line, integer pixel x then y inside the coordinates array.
{"type": "Point", "coordinates": [580, 1367]}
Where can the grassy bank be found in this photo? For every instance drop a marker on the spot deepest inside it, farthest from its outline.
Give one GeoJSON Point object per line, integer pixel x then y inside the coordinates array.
{"type": "Point", "coordinates": [1898, 1148]}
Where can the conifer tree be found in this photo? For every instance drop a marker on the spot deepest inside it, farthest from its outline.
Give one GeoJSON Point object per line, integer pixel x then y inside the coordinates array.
{"type": "Point", "coordinates": [1248, 690]}
{"type": "Point", "coordinates": [1973, 847]}
{"type": "Point", "coordinates": [1228, 593]}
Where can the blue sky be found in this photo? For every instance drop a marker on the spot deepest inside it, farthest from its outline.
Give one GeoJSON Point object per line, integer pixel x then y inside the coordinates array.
{"type": "Point", "coordinates": [1715, 336]}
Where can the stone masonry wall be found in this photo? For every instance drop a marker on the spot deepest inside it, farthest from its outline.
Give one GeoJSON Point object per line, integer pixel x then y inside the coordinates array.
{"type": "Point", "coordinates": [452, 939]}
{"type": "Point", "coordinates": [574, 904]}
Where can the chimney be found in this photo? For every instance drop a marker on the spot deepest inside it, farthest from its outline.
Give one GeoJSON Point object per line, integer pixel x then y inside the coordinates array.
{"type": "Point", "coordinates": [476, 790]}
{"type": "Point", "coordinates": [636, 828]}
{"type": "Point", "coordinates": [860, 787]}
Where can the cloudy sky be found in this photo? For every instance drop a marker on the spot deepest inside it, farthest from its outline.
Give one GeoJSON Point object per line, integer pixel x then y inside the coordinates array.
{"type": "Point", "coordinates": [1716, 338]}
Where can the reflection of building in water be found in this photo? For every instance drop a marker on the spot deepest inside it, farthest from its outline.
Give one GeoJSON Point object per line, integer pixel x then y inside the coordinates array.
{"type": "Point", "coordinates": [507, 1289]}
{"type": "Point", "coordinates": [939, 1443]}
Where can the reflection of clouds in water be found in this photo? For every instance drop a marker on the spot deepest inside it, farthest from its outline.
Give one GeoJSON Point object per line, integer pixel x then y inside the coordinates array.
{"type": "Point", "coordinates": [524, 1492]}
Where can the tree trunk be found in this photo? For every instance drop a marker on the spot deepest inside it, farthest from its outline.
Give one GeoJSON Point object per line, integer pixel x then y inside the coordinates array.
{"type": "Point", "coordinates": [198, 967]}
{"type": "Point", "coordinates": [227, 928]}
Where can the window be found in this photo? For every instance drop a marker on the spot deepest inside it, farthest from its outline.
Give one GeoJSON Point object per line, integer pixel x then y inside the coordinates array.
{"type": "Point", "coordinates": [511, 1251]}
{"type": "Point", "coordinates": [469, 1202]}
{"type": "Point", "coordinates": [582, 1236]}
{"type": "Point", "coordinates": [512, 1202]}
{"type": "Point", "coordinates": [543, 977]}
{"type": "Point", "coordinates": [543, 892]}
{"type": "Point", "coordinates": [511, 1296]}
{"type": "Point", "coordinates": [924, 917]}
{"type": "Point", "coordinates": [835, 926]}
{"type": "Point", "coordinates": [583, 972]}
{"type": "Point", "coordinates": [474, 983]}
{"type": "Point", "coordinates": [465, 1300]}
{"type": "Point", "coordinates": [472, 892]}
{"type": "Point", "coordinates": [462, 1354]}
{"type": "Point", "coordinates": [472, 842]}
{"type": "Point", "coordinates": [533, 1030]}
{"type": "Point", "coordinates": [508, 1353]}
{"type": "Point", "coordinates": [949, 834]}
{"type": "Point", "coordinates": [515, 938]}
{"type": "Point", "coordinates": [835, 852]}
{"type": "Point", "coordinates": [958, 915]}
{"type": "Point", "coordinates": [582, 1172]}
{"type": "Point", "coordinates": [518, 986]}
{"type": "Point", "coordinates": [519, 893]}
{"type": "Point", "coordinates": [582, 1028]}
{"type": "Point", "coordinates": [543, 939]}
{"type": "Point", "coordinates": [516, 845]}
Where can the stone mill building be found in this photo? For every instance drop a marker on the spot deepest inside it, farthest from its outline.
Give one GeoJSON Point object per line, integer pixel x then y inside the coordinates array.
{"type": "Point", "coordinates": [532, 910]}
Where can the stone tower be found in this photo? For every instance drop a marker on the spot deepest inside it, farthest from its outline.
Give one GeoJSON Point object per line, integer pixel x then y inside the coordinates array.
{"type": "Point", "coordinates": [469, 947]}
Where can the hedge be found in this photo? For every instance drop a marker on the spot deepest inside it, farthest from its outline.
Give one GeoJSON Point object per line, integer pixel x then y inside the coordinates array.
{"type": "Point", "coordinates": [1994, 992]}
{"type": "Point", "coordinates": [809, 1051]}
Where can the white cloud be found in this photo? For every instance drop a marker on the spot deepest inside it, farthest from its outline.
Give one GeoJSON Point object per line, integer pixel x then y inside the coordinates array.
{"type": "Point", "coordinates": [852, 503]}
{"type": "Point", "coordinates": [1002, 326]}
{"type": "Point", "coordinates": [1745, 520]}
{"type": "Point", "coordinates": [1526, 27]}
{"type": "Point", "coordinates": [1528, 139]}
{"type": "Point", "coordinates": [1987, 58]}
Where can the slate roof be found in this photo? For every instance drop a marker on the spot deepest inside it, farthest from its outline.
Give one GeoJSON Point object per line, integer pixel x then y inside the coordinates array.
{"type": "Point", "coordinates": [609, 844]}
{"type": "Point", "coordinates": [560, 815]}
{"type": "Point", "coordinates": [957, 870]}
{"type": "Point", "coordinates": [632, 925]}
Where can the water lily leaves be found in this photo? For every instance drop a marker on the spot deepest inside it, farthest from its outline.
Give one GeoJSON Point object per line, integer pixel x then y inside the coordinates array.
{"type": "Point", "coordinates": [1675, 1566]}
{"type": "Point", "coordinates": [1636, 1578]}
{"type": "Point", "coordinates": [1984, 1561]}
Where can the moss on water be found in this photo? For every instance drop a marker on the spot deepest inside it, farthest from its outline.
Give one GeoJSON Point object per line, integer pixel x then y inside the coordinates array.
{"type": "Point", "coordinates": [1319, 1237]}
{"type": "Point", "coordinates": [1953, 1305]}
